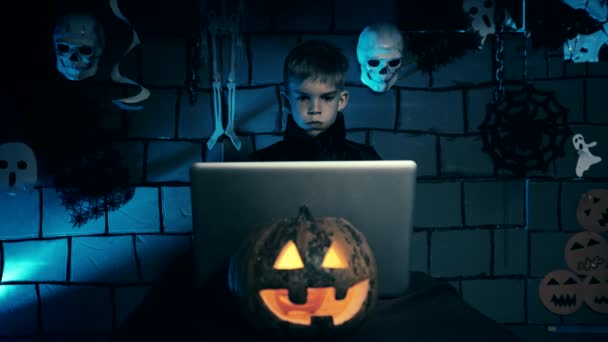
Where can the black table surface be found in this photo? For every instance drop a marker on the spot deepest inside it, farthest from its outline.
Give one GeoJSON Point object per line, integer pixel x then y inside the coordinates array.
{"type": "Point", "coordinates": [431, 310]}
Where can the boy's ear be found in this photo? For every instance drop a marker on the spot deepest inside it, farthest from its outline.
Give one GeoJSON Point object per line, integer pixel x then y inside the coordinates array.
{"type": "Point", "coordinates": [285, 101]}
{"type": "Point", "coordinates": [343, 100]}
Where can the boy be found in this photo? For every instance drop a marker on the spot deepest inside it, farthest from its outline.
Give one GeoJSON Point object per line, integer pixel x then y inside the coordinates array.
{"type": "Point", "coordinates": [314, 96]}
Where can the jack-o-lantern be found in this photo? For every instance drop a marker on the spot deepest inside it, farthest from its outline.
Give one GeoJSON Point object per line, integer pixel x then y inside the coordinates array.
{"type": "Point", "coordinates": [305, 276]}
{"type": "Point", "coordinates": [587, 253]}
{"type": "Point", "coordinates": [561, 291]}
{"type": "Point", "coordinates": [592, 210]}
{"type": "Point", "coordinates": [596, 292]}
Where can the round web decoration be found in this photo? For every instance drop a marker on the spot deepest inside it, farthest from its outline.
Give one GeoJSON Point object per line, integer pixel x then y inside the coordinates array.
{"type": "Point", "coordinates": [525, 131]}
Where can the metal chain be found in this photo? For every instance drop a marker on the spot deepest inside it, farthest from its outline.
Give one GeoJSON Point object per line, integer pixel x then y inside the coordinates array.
{"type": "Point", "coordinates": [499, 92]}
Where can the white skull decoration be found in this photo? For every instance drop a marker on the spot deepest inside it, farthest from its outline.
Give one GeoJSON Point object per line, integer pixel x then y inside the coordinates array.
{"type": "Point", "coordinates": [482, 17]}
{"type": "Point", "coordinates": [79, 43]}
{"type": "Point", "coordinates": [18, 167]}
{"type": "Point", "coordinates": [380, 55]}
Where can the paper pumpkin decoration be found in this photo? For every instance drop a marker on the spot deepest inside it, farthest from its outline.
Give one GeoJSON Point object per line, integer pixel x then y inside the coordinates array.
{"type": "Point", "coordinates": [596, 292]}
{"type": "Point", "coordinates": [592, 210]}
{"type": "Point", "coordinates": [561, 292]}
{"type": "Point", "coordinates": [18, 167]}
{"type": "Point", "coordinates": [305, 276]}
{"type": "Point", "coordinates": [79, 43]}
{"type": "Point", "coordinates": [586, 253]}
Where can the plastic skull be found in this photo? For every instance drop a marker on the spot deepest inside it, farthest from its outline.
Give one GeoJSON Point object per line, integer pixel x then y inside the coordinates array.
{"type": "Point", "coordinates": [380, 55]}
{"type": "Point", "coordinates": [482, 17]}
{"type": "Point", "coordinates": [18, 167]}
{"type": "Point", "coordinates": [79, 43]}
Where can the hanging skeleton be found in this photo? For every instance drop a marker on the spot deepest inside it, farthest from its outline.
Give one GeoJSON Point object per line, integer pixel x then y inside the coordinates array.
{"type": "Point", "coordinates": [225, 26]}
{"type": "Point", "coordinates": [586, 47]}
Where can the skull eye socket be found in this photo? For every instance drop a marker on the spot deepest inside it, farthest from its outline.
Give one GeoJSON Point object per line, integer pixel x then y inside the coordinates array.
{"type": "Point", "coordinates": [488, 4]}
{"type": "Point", "coordinates": [21, 165]}
{"type": "Point", "coordinates": [63, 48]}
{"type": "Point", "coordinates": [373, 63]}
{"type": "Point", "coordinates": [473, 10]}
{"type": "Point", "coordinates": [3, 164]}
{"type": "Point", "coordinates": [85, 50]}
{"type": "Point", "coordinates": [394, 62]}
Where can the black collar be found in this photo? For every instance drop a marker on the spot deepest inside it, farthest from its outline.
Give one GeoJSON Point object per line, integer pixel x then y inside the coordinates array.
{"type": "Point", "coordinates": [334, 135]}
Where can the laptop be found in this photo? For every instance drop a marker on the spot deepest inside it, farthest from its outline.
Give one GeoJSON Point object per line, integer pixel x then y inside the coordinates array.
{"type": "Point", "coordinates": [230, 199]}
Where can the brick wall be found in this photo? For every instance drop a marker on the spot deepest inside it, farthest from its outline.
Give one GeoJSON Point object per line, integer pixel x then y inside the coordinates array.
{"type": "Point", "coordinates": [491, 235]}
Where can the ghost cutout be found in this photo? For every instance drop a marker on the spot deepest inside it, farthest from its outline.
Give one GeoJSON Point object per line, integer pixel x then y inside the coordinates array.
{"type": "Point", "coordinates": [586, 253]}
{"type": "Point", "coordinates": [592, 210]}
{"type": "Point", "coordinates": [585, 158]}
{"type": "Point", "coordinates": [598, 9]}
{"type": "Point", "coordinates": [482, 17]}
{"type": "Point", "coordinates": [380, 55]}
{"type": "Point", "coordinates": [18, 168]}
{"type": "Point", "coordinates": [586, 47]}
{"type": "Point", "coordinates": [561, 292]}
{"type": "Point", "coordinates": [596, 292]}
{"type": "Point", "coordinates": [79, 43]}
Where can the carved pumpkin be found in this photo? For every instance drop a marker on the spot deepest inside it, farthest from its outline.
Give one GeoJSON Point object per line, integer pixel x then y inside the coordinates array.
{"type": "Point", "coordinates": [596, 292]}
{"type": "Point", "coordinates": [561, 292]}
{"type": "Point", "coordinates": [305, 276]}
{"type": "Point", "coordinates": [592, 210]}
{"type": "Point", "coordinates": [587, 253]}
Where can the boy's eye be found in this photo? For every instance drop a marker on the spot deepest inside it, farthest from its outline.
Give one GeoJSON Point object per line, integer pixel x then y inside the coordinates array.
{"type": "Point", "coordinates": [328, 97]}
{"type": "Point", "coordinates": [302, 98]}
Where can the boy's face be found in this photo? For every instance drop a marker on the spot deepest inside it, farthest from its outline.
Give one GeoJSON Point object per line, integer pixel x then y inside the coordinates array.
{"type": "Point", "coordinates": [314, 105]}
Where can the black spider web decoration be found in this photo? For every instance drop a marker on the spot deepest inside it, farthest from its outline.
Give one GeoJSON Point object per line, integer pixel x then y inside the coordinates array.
{"type": "Point", "coordinates": [526, 131]}
{"type": "Point", "coordinates": [94, 184]}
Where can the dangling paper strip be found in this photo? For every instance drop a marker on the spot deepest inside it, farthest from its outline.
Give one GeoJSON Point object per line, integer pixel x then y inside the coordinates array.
{"type": "Point", "coordinates": [125, 103]}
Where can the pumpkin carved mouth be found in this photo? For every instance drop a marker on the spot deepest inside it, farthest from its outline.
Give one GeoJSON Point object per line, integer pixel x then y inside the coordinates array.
{"type": "Point", "coordinates": [320, 302]}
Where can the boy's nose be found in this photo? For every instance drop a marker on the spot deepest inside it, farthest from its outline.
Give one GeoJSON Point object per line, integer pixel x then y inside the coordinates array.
{"type": "Point", "coordinates": [314, 107]}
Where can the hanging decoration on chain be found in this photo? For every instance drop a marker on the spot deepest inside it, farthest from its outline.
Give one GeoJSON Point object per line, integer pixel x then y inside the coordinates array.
{"type": "Point", "coordinates": [225, 26]}
{"type": "Point", "coordinates": [524, 129]}
{"type": "Point", "coordinates": [127, 103]}
{"type": "Point", "coordinates": [586, 47]}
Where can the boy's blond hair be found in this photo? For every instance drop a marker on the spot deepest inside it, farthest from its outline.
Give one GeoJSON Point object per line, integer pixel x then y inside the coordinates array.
{"type": "Point", "coordinates": [318, 60]}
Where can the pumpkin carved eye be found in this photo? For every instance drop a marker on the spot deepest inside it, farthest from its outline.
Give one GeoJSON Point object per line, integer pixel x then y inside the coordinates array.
{"type": "Point", "coordinates": [289, 258]}
{"type": "Point", "coordinates": [334, 258]}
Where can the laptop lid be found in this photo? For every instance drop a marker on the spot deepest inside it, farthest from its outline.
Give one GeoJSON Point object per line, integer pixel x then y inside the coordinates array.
{"type": "Point", "coordinates": [230, 199]}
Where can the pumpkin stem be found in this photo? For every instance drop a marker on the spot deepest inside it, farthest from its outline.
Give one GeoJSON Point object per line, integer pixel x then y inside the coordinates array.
{"type": "Point", "coordinates": [304, 214]}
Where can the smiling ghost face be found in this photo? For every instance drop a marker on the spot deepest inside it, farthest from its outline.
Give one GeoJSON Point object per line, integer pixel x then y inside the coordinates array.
{"type": "Point", "coordinates": [561, 292]}
{"type": "Point", "coordinates": [306, 276]}
{"type": "Point", "coordinates": [586, 253]}
{"type": "Point", "coordinates": [596, 292]}
{"type": "Point", "coordinates": [592, 210]}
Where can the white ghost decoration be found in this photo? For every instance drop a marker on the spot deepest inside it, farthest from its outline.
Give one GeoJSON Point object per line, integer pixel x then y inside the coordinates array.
{"type": "Point", "coordinates": [586, 47]}
{"type": "Point", "coordinates": [585, 158]}
{"type": "Point", "coordinates": [482, 17]}
{"type": "Point", "coordinates": [380, 55]}
{"type": "Point", "coordinates": [597, 9]}
{"type": "Point", "coordinates": [79, 43]}
{"type": "Point", "coordinates": [18, 168]}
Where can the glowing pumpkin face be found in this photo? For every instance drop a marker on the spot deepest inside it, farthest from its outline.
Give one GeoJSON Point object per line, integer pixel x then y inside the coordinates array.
{"type": "Point", "coordinates": [305, 276]}
{"type": "Point", "coordinates": [561, 292]}
{"type": "Point", "coordinates": [587, 253]}
{"type": "Point", "coordinates": [592, 210]}
{"type": "Point", "coordinates": [596, 292]}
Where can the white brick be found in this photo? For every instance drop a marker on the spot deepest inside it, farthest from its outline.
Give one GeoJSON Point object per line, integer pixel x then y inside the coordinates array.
{"type": "Point", "coordinates": [157, 252]}
{"type": "Point", "coordinates": [420, 148]}
{"type": "Point", "coordinates": [171, 161]}
{"type": "Point", "coordinates": [20, 215]}
{"type": "Point", "coordinates": [262, 141]}
{"type": "Point", "coordinates": [157, 119]}
{"type": "Point", "coordinates": [474, 67]}
{"type": "Point", "coordinates": [257, 110]}
{"type": "Point", "coordinates": [75, 309]}
{"type": "Point", "coordinates": [460, 253]}
{"type": "Point", "coordinates": [434, 111]}
{"type": "Point", "coordinates": [56, 219]}
{"type": "Point", "coordinates": [196, 119]}
{"type": "Point", "coordinates": [366, 109]}
{"type": "Point", "coordinates": [177, 209]}
{"type": "Point", "coordinates": [140, 214]}
{"type": "Point", "coordinates": [433, 198]}
{"type": "Point", "coordinates": [268, 53]}
{"type": "Point", "coordinates": [163, 60]}
{"type": "Point", "coordinates": [420, 252]}
{"type": "Point", "coordinates": [127, 300]}
{"type": "Point", "coordinates": [44, 260]}
{"type": "Point", "coordinates": [103, 259]}
{"type": "Point", "coordinates": [19, 310]}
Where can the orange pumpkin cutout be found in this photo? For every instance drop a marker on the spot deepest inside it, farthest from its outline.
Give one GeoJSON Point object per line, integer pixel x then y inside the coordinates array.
{"type": "Point", "coordinates": [596, 292]}
{"type": "Point", "coordinates": [305, 276]}
{"type": "Point", "coordinates": [561, 292]}
{"type": "Point", "coordinates": [586, 253]}
{"type": "Point", "coordinates": [592, 210]}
